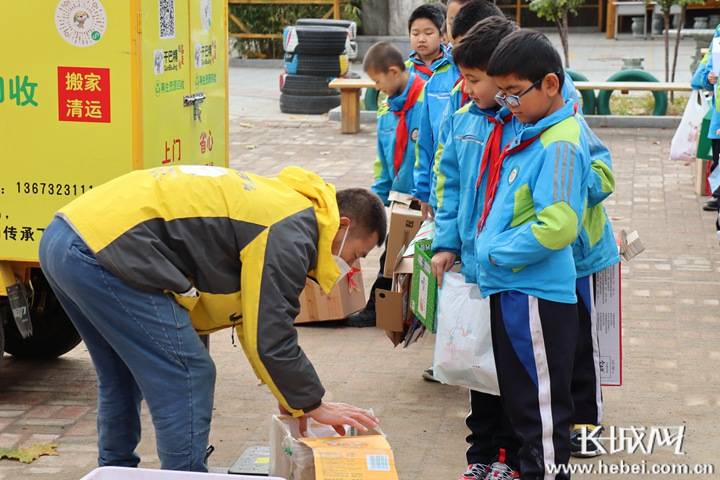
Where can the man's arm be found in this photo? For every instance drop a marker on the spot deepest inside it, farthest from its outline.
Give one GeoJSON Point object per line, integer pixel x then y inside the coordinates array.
{"type": "Point", "coordinates": [274, 268]}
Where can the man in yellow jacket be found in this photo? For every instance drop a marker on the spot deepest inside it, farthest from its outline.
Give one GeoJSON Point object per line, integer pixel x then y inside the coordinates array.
{"type": "Point", "coordinates": [146, 261]}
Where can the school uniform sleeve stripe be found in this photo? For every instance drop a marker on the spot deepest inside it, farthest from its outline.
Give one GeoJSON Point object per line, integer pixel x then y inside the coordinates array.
{"type": "Point", "coordinates": [570, 175]}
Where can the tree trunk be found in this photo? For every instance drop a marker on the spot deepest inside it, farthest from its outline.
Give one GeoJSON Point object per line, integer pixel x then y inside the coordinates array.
{"type": "Point", "coordinates": [566, 32]}
{"type": "Point", "coordinates": [677, 48]}
{"type": "Point", "coordinates": [562, 27]}
{"type": "Point", "coordinates": [666, 18]}
{"type": "Point", "coordinates": [374, 15]}
{"type": "Point", "coordinates": [399, 11]}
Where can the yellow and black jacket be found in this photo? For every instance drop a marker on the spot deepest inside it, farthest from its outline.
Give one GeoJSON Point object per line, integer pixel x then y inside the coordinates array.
{"type": "Point", "coordinates": [245, 242]}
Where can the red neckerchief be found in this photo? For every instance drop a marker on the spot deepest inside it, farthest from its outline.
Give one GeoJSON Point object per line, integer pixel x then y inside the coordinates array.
{"type": "Point", "coordinates": [401, 131]}
{"type": "Point", "coordinates": [465, 97]}
{"type": "Point", "coordinates": [422, 66]}
{"type": "Point", "coordinates": [496, 161]}
{"type": "Point", "coordinates": [352, 281]}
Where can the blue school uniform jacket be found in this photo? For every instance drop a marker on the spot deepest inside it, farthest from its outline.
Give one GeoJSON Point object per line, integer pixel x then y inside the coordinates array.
{"type": "Point", "coordinates": [414, 61]}
{"type": "Point", "coordinates": [437, 97]}
{"type": "Point", "coordinates": [456, 167]}
{"type": "Point", "coordinates": [459, 201]}
{"type": "Point", "coordinates": [526, 243]}
{"type": "Point", "coordinates": [386, 179]}
{"type": "Point", "coordinates": [596, 248]}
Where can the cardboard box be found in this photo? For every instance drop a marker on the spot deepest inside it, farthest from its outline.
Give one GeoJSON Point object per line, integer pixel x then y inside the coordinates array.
{"type": "Point", "coordinates": [608, 308]}
{"type": "Point", "coordinates": [423, 293]}
{"type": "Point", "coordinates": [405, 221]}
{"type": "Point", "coordinates": [391, 306]}
{"type": "Point", "coordinates": [346, 298]}
{"type": "Point", "coordinates": [323, 455]}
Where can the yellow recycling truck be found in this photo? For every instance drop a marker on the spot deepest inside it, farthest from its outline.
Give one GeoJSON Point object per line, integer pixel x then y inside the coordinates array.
{"type": "Point", "coordinates": [89, 90]}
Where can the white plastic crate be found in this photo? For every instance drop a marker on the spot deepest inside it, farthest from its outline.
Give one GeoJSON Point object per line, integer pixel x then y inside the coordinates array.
{"type": "Point", "coordinates": [123, 473]}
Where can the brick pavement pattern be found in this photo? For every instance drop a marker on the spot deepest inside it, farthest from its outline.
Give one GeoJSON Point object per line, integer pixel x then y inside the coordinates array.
{"type": "Point", "coordinates": [671, 332]}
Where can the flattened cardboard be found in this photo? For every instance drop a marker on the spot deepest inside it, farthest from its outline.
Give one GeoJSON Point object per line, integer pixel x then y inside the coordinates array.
{"type": "Point", "coordinates": [424, 290]}
{"type": "Point", "coordinates": [345, 299]}
{"type": "Point", "coordinates": [404, 225]}
{"type": "Point", "coordinates": [608, 308]}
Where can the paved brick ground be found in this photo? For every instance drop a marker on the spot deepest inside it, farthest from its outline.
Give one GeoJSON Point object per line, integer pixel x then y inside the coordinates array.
{"type": "Point", "coordinates": [671, 332]}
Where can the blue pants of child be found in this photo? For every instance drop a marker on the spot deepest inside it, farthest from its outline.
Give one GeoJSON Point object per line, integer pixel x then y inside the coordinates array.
{"type": "Point", "coordinates": [142, 345]}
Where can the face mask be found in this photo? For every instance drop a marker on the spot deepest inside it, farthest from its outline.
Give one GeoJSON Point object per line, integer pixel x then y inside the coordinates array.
{"type": "Point", "coordinates": [341, 263]}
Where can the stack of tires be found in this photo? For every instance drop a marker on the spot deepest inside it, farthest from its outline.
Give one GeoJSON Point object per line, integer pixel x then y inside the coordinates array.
{"type": "Point", "coordinates": [316, 51]}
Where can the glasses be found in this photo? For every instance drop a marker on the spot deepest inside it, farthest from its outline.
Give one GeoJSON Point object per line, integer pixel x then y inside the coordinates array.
{"type": "Point", "coordinates": [513, 101]}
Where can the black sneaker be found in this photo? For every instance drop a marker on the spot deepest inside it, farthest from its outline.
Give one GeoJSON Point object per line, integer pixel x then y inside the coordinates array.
{"type": "Point", "coordinates": [590, 448]}
{"type": "Point", "coordinates": [712, 205]}
{"type": "Point", "coordinates": [428, 375]}
{"type": "Point", "coordinates": [364, 318]}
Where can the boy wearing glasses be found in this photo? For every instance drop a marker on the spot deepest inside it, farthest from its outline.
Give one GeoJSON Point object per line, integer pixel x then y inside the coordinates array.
{"type": "Point", "coordinates": [533, 209]}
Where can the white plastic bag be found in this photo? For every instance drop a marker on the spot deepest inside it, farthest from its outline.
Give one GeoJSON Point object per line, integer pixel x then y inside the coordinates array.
{"type": "Point", "coordinates": [463, 344]}
{"type": "Point", "coordinates": [684, 144]}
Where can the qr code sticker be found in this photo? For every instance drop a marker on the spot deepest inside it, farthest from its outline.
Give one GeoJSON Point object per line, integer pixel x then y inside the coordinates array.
{"type": "Point", "coordinates": [167, 18]}
{"type": "Point", "coordinates": [378, 463]}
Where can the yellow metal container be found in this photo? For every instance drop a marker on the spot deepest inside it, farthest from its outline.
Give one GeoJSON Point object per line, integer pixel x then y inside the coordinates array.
{"type": "Point", "coordinates": [91, 89]}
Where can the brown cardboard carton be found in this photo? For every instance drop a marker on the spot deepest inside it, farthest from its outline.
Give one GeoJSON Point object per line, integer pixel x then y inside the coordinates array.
{"type": "Point", "coordinates": [346, 298]}
{"type": "Point", "coordinates": [391, 306]}
{"type": "Point", "coordinates": [404, 224]}
{"type": "Point", "coordinates": [294, 458]}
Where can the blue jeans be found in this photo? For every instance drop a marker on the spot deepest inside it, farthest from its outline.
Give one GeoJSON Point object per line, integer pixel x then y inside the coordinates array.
{"type": "Point", "coordinates": [142, 345]}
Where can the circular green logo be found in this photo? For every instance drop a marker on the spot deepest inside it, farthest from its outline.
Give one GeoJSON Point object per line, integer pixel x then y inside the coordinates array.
{"type": "Point", "coordinates": [95, 35]}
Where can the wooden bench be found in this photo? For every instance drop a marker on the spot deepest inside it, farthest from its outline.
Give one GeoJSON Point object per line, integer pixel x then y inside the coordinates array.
{"type": "Point", "coordinates": [350, 94]}
{"type": "Point", "coordinates": [350, 101]}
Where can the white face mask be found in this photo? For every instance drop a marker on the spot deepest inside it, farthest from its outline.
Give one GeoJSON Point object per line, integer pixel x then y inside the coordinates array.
{"type": "Point", "coordinates": [341, 263]}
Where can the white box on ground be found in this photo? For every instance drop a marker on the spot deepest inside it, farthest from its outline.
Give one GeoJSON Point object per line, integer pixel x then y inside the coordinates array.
{"type": "Point", "coordinates": [124, 473]}
{"type": "Point", "coordinates": [608, 307]}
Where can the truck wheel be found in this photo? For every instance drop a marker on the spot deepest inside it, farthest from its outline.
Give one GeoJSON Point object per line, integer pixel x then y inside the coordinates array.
{"type": "Point", "coordinates": [53, 332]}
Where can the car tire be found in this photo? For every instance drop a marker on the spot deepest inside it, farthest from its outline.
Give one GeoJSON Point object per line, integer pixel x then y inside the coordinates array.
{"type": "Point", "coordinates": [316, 65]}
{"type": "Point", "coordinates": [307, 85]}
{"type": "Point", "coordinates": [315, 40]}
{"type": "Point", "coordinates": [308, 104]}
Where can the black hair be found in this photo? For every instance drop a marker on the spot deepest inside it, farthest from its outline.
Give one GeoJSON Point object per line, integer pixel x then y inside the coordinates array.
{"type": "Point", "coordinates": [364, 209]}
{"type": "Point", "coordinates": [528, 55]}
{"type": "Point", "coordinates": [431, 11]}
{"type": "Point", "coordinates": [381, 56]}
{"type": "Point", "coordinates": [477, 47]}
{"type": "Point", "coordinates": [472, 13]}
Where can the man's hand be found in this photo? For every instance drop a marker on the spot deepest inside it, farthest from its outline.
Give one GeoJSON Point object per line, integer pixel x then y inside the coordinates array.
{"type": "Point", "coordinates": [712, 78]}
{"type": "Point", "coordinates": [337, 415]}
{"type": "Point", "coordinates": [426, 210]}
{"type": "Point", "coordinates": [441, 263]}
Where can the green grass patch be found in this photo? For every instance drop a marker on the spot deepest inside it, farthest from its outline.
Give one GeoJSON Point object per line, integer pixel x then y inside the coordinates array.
{"type": "Point", "coordinates": [643, 103]}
